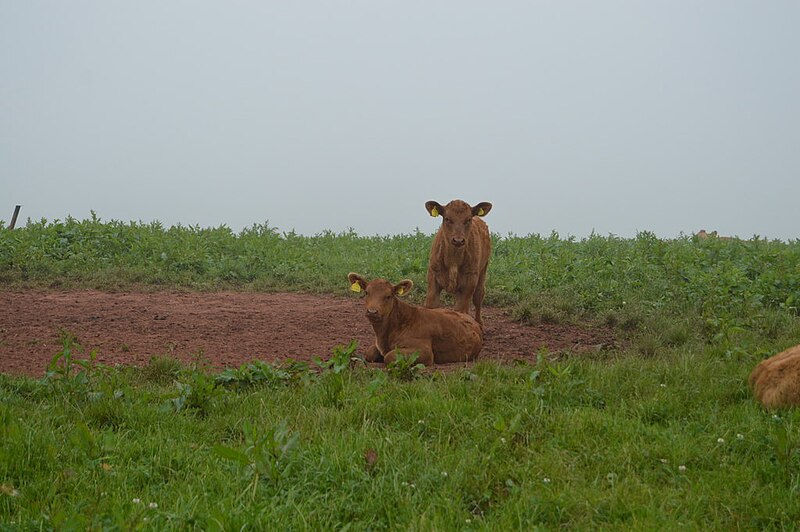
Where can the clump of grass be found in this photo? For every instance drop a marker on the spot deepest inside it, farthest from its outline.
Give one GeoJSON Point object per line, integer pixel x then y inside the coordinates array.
{"type": "Point", "coordinates": [648, 344]}
{"type": "Point", "coordinates": [405, 367]}
{"type": "Point", "coordinates": [197, 390]}
{"type": "Point", "coordinates": [630, 322]}
{"type": "Point", "coordinates": [254, 373]}
{"type": "Point", "coordinates": [66, 373]}
{"type": "Point", "coordinates": [335, 377]}
{"type": "Point", "coordinates": [545, 308]}
{"type": "Point", "coordinates": [676, 334]}
{"type": "Point", "coordinates": [161, 369]}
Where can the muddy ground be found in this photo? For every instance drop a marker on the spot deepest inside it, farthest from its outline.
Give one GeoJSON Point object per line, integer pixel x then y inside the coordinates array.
{"type": "Point", "coordinates": [229, 328]}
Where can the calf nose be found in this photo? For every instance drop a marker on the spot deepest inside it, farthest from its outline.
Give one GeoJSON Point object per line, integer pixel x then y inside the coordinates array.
{"type": "Point", "coordinates": [458, 241]}
{"type": "Point", "coordinates": [372, 312]}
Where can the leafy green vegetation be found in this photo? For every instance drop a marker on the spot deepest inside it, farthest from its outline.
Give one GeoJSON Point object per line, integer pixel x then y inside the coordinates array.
{"type": "Point", "coordinates": [650, 443]}
{"type": "Point", "coordinates": [661, 433]}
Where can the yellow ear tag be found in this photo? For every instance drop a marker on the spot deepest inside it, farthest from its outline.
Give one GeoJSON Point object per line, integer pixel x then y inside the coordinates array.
{"type": "Point", "coordinates": [434, 212]}
{"type": "Point", "coordinates": [400, 291]}
{"type": "Point", "coordinates": [355, 287]}
{"type": "Point", "coordinates": [481, 212]}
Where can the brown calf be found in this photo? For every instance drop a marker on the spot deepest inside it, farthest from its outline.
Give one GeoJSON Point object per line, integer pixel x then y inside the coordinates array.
{"type": "Point", "coordinates": [438, 335]}
{"type": "Point", "coordinates": [776, 380]}
{"type": "Point", "coordinates": [702, 234]}
{"type": "Point", "coordinates": [459, 255]}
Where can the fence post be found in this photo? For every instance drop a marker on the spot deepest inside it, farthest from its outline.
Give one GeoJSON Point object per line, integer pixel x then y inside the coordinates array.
{"type": "Point", "coordinates": [14, 218]}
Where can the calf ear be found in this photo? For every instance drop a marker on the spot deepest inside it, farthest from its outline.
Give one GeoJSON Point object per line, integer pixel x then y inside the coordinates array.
{"type": "Point", "coordinates": [403, 287]}
{"type": "Point", "coordinates": [357, 283]}
{"type": "Point", "coordinates": [434, 208]}
{"type": "Point", "coordinates": [481, 209]}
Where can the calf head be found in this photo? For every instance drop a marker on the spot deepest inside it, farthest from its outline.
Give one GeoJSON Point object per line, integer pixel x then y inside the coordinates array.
{"type": "Point", "coordinates": [457, 218]}
{"type": "Point", "coordinates": [379, 295]}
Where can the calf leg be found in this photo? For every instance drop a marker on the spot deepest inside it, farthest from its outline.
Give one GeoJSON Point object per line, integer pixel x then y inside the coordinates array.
{"type": "Point", "coordinates": [465, 292]}
{"type": "Point", "coordinates": [434, 290]}
{"type": "Point", "coordinates": [478, 295]}
{"type": "Point", "coordinates": [373, 354]}
{"type": "Point", "coordinates": [462, 301]}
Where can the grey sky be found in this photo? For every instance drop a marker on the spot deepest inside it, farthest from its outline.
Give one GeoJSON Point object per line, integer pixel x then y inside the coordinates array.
{"type": "Point", "coordinates": [611, 116]}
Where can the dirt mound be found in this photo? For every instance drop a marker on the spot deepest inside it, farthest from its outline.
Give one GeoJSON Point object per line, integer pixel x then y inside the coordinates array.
{"type": "Point", "coordinates": [229, 328]}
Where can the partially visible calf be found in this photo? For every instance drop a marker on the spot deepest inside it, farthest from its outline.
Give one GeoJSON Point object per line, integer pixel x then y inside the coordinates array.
{"type": "Point", "coordinates": [702, 234]}
{"type": "Point", "coordinates": [459, 255]}
{"type": "Point", "coordinates": [776, 380]}
{"type": "Point", "coordinates": [438, 335]}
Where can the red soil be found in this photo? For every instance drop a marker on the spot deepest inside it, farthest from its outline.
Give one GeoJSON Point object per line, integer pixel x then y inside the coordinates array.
{"type": "Point", "coordinates": [229, 328]}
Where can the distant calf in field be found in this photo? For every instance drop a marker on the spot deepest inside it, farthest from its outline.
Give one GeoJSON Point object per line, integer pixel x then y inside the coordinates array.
{"type": "Point", "coordinates": [702, 234]}
{"type": "Point", "coordinates": [459, 255]}
{"type": "Point", "coordinates": [438, 335]}
{"type": "Point", "coordinates": [776, 380]}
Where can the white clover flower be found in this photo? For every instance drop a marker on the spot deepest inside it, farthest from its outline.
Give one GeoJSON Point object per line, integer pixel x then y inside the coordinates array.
{"type": "Point", "coordinates": [681, 468]}
{"type": "Point", "coordinates": [663, 385]}
{"type": "Point", "coordinates": [740, 436]}
{"type": "Point", "coordinates": [153, 505]}
{"type": "Point", "coordinates": [720, 440]}
{"type": "Point", "coordinates": [421, 422]}
{"type": "Point", "coordinates": [136, 500]}
{"type": "Point", "coordinates": [468, 521]}
{"type": "Point", "coordinates": [503, 440]}
{"type": "Point", "coordinates": [444, 473]}
{"type": "Point", "coordinates": [664, 461]}
{"type": "Point", "coordinates": [546, 480]}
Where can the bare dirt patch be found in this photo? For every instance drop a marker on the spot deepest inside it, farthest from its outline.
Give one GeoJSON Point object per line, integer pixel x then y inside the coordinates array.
{"type": "Point", "coordinates": [229, 328]}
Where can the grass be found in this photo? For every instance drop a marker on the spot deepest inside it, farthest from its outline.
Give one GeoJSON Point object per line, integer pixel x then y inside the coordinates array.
{"type": "Point", "coordinates": [634, 443]}
{"type": "Point", "coordinates": [663, 434]}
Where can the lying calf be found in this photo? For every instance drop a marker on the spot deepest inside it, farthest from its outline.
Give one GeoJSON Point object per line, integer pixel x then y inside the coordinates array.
{"type": "Point", "coordinates": [776, 380]}
{"type": "Point", "coordinates": [438, 335]}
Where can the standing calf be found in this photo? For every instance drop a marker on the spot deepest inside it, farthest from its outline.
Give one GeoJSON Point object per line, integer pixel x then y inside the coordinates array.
{"type": "Point", "coordinates": [459, 255]}
{"type": "Point", "coordinates": [776, 380]}
{"type": "Point", "coordinates": [438, 335]}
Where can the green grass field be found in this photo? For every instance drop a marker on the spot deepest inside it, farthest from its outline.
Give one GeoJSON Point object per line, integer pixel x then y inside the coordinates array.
{"type": "Point", "coordinates": [661, 434]}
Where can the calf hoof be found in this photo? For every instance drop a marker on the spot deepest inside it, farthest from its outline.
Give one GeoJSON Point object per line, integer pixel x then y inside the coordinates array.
{"type": "Point", "coordinates": [377, 358]}
{"type": "Point", "coordinates": [373, 355]}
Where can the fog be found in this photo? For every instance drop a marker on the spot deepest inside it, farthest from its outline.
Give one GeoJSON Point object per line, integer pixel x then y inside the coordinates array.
{"type": "Point", "coordinates": [575, 117]}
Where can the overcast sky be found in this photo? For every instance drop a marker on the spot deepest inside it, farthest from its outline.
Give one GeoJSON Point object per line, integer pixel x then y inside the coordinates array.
{"type": "Point", "coordinates": [613, 117]}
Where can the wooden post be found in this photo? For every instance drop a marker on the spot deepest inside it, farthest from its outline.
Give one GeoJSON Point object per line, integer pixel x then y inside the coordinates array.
{"type": "Point", "coordinates": [14, 218]}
